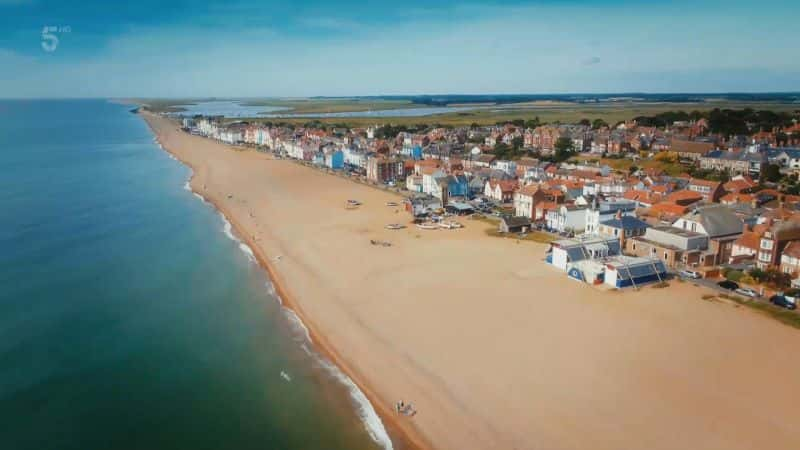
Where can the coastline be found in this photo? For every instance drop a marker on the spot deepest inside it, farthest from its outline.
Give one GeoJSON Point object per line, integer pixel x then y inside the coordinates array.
{"type": "Point", "coordinates": [495, 348]}
{"type": "Point", "coordinates": [409, 438]}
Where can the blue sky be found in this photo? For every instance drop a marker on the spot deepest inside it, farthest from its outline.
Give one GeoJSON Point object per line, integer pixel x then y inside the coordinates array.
{"type": "Point", "coordinates": [301, 48]}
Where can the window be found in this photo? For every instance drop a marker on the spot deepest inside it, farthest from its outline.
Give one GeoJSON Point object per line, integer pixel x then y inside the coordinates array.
{"type": "Point", "coordinates": [766, 244]}
{"type": "Point", "coordinates": [765, 256]}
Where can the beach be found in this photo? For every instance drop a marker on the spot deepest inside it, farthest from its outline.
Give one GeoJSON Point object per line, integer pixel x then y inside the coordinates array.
{"type": "Point", "coordinates": [494, 348]}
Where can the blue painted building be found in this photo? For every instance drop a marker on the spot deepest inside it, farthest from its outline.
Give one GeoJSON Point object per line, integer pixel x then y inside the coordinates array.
{"type": "Point", "coordinates": [416, 152]}
{"type": "Point", "coordinates": [335, 160]}
{"type": "Point", "coordinates": [458, 186]}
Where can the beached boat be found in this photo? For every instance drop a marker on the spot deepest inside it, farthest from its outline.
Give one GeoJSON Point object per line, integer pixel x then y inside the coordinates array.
{"type": "Point", "coordinates": [427, 226]}
{"type": "Point", "coordinates": [395, 226]}
{"type": "Point", "coordinates": [391, 203]}
{"type": "Point", "coordinates": [352, 204]}
{"type": "Point", "coordinates": [450, 225]}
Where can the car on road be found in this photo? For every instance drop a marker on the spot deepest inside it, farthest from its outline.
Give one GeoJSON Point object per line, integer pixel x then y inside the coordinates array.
{"type": "Point", "coordinates": [783, 302]}
{"type": "Point", "coordinates": [747, 292]}
{"type": "Point", "coordinates": [728, 284]}
{"type": "Point", "coordinates": [689, 274]}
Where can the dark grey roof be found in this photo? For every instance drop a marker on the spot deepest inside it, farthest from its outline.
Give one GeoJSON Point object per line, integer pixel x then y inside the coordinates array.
{"type": "Point", "coordinates": [625, 223]}
{"type": "Point", "coordinates": [718, 220]}
{"type": "Point", "coordinates": [638, 268]}
{"type": "Point", "coordinates": [515, 221]}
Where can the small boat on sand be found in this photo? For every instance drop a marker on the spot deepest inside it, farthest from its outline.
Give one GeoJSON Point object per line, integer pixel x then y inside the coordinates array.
{"type": "Point", "coordinates": [450, 225]}
{"type": "Point", "coordinates": [427, 226]}
{"type": "Point", "coordinates": [391, 203]}
{"type": "Point", "coordinates": [395, 226]}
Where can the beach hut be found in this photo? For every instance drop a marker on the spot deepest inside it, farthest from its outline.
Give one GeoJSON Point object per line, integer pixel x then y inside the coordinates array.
{"type": "Point", "coordinates": [625, 271]}
{"type": "Point", "coordinates": [514, 224]}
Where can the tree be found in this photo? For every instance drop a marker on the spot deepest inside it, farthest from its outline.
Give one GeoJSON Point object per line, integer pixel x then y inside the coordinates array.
{"type": "Point", "coordinates": [502, 151]}
{"type": "Point", "coordinates": [772, 173]}
{"type": "Point", "coordinates": [533, 123]}
{"type": "Point", "coordinates": [563, 149]}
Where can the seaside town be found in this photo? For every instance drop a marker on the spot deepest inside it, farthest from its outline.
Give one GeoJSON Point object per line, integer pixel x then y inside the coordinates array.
{"type": "Point", "coordinates": [712, 198]}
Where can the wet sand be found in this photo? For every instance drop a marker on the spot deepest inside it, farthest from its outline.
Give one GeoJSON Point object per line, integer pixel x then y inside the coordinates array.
{"type": "Point", "coordinates": [493, 347]}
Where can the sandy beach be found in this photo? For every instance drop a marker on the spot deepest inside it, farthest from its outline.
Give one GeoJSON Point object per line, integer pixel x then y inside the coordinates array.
{"type": "Point", "coordinates": [494, 348]}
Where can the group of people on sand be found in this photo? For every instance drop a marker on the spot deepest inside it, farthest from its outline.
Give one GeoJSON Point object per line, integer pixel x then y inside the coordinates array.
{"type": "Point", "coordinates": [404, 408]}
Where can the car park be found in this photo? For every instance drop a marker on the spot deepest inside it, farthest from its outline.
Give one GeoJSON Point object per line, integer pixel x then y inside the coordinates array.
{"type": "Point", "coordinates": [728, 284]}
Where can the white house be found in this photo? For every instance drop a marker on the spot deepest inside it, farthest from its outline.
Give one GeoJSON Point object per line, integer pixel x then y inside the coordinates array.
{"type": "Point", "coordinates": [414, 183]}
{"type": "Point", "coordinates": [567, 218]}
{"type": "Point", "coordinates": [264, 138]}
{"type": "Point", "coordinates": [430, 183]}
{"type": "Point", "coordinates": [509, 167]}
{"type": "Point", "coordinates": [355, 158]}
{"type": "Point", "coordinates": [500, 190]}
{"type": "Point", "coordinates": [607, 210]}
{"type": "Point", "coordinates": [525, 199]}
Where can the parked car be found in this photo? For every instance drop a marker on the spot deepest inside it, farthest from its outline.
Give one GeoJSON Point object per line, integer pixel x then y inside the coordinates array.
{"type": "Point", "coordinates": [728, 284]}
{"type": "Point", "coordinates": [783, 302]}
{"type": "Point", "coordinates": [689, 274]}
{"type": "Point", "coordinates": [747, 292]}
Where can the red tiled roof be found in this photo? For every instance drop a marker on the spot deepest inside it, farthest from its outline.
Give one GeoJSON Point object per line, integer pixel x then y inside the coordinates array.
{"type": "Point", "coordinates": [749, 239]}
{"type": "Point", "coordinates": [668, 208]}
{"type": "Point", "coordinates": [684, 197]}
{"type": "Point", "coordinates": [792, 249]}
{"type": "Point", "coordinates": [736, 198]}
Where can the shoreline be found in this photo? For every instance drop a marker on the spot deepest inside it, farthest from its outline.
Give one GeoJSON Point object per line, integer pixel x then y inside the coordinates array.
{"type": "Point", "coordinates": [409, 438]}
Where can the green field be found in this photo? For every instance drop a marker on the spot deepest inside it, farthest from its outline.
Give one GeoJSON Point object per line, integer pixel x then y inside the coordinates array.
{"type": "Point", "coordinates": [547, 112]}
{"type": "Point", "coordinates": [331, 105]}
{"type": "Point", "coordinates": [562, 113]}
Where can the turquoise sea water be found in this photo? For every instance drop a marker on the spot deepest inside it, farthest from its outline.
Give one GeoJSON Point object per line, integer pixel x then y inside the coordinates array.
{"type": "Point", "coordinates": [128, 318]}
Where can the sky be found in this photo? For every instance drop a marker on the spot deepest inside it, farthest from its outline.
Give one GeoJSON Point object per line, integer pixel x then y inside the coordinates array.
{"type": "Point", "coordinates": [248, 48]}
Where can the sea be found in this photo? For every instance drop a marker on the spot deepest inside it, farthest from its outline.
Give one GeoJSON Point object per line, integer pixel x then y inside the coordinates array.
{"type": "Point", "coordinates": [131, 317]}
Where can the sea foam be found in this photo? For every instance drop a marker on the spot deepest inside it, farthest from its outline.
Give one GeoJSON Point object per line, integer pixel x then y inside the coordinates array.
{"type": "Point", "coordinates": [366, 412]}
{"type": "Point", "coordinates": [297, 324]}
{"type": "Point", "coordinates": [372, 422]}
{"type": "Point", "coordinates": [227, 228]}
{"type": "Point", "coordinates": [247, 251]}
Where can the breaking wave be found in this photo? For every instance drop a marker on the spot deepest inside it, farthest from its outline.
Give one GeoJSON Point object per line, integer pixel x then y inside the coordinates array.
{"type": "Point", "coordinates": [297, 324]}
{"type": "Point", "coordinates": [366, 412]}
{"type": "Point", "coordinates": [372, 422]}
{"type": "Point", "coordinates": [227, 228]}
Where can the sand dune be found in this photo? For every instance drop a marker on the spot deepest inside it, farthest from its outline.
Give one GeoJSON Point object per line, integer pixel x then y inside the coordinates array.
{"type": "Point", "coordinates": [495, 348]}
